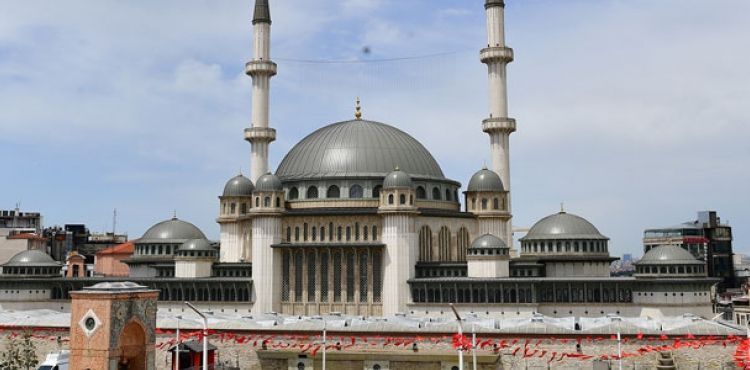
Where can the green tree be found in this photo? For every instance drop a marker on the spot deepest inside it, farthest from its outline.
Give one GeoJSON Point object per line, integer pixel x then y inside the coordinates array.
{"type": "Point", "coordinates": [19, 354]}
{"type": "Point", "coordinates": [28, 359]}
{"type": "Point", "coordinates": [10, 355]}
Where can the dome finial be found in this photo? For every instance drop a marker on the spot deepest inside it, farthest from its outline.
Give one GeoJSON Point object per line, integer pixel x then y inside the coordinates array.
{"type": "Point", "coordinates": [358, 110]}
{"type": "Point", "coordinates": [174, 214]}
{"type": "Point", "coordinates": [396, 168]}
{"type": "Point", "coordinates": [562, 207]}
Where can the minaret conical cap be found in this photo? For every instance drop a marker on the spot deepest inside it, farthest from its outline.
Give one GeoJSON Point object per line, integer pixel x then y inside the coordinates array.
{"type": "Point", "coordinates": [262, 12]}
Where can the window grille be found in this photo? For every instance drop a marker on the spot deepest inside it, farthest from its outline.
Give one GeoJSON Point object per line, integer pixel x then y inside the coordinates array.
{"type": "Point", "coordinates": [314, 233]}
{"type": "Point", "coordinates": [324, 276]}
{"type": "Point", "coordinates": [377, 277]}
{"type": "Point", "coordinates": [304, 231]}
{"type": "Point", "coordinates": [333, 192]}
{"type": "Point", "coordinates": [364, 233]}
{"type": "Point", "coordinates": [356, 231]}
{"type": "Point", "coordinates": [350, 277]}
{"type": "Point", "coordinates": [425, 243]}
{"type": "Point", "coordinates": [322, 233]}
{"type": "Point", "coordinates": [363, 277]}
{"type": "Point", "coordinates": [312, 192]}
{"type": "Point", "coordinates": [285, 277]}
{"type": "Point", "coordinates": [298, 263]}
{"type": "Point", "coordinates": [444, 241]}
{"type": "Point", "coordinates": [374, 232]}
{"type": "Point", "coordinates": [376, 191]}
{"type": "Point", "coordinates": [311, 277]}
{"type": "Point", "coordinates": [435, 193]}
{"type": "Point", "coordinates": [337, 277]}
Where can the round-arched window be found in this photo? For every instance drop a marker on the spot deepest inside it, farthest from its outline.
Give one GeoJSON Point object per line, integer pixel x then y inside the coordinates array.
{"type": "Point", "coordinates": [333, 192]}
{"type": "Point", "coordinates": [436, 193]}
{"type": "Point", "coordinates": [355, 191]}
{"type": "Point", "coordinates": [421, 193]}
{"type": "Point", "coordinates": [293, 193]}
{"type": "Point", "coordinates": [390, 198]}
{"type": "Point", "coordinates": [402, 199]}
{"type": "Point", "coordinates": [312, 193]}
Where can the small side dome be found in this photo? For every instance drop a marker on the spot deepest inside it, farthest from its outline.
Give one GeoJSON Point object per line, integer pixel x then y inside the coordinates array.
{"type": "Point", "coordinates": [31, 257]}
{"type": "Point", "coordinates": [196, 245]}
{"type": "Point", "coordinates": [238, 186]}
{"type": "Point", "coordinates": [488, 241]}
{"type": "Point", "coordinates": [485, 180]}
{"type": "Point", "coordinates": [397, 179]}
{"type": "Point", "coordinates": [563, 225]}
{"type": "Point", "coordinates": [268, 182]}
{"type": "Point", "coordinates": [668, 255]}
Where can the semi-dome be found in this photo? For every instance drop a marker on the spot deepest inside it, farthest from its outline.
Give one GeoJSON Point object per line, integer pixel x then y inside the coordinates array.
{"type": "Point", "coordinates": [488, 241]}
{"type": "Point", "coordinates": [397, 179]}
{"type": "Point", "coordinates": [485, 180]}
{"type": "Point", "coordinates": [196, 245]}
{"type": "Point", "coordinates": [238, 186]}
{"type": "Point", "coordinates": [269, 182]}
{"type": "Point", "coordinates": [563, 226]}
{"type": "Point", "coordinates": [31, 258]}
{"type": "Point", "coordinates": [357, 148]}
{"type": "Point", "coordinates": [173, 230]}
{"type": "Point", "coordinates": [669, 255]}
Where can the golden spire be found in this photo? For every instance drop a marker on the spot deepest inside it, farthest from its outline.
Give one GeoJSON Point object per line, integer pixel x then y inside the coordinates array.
{"type": "Point", "coordinates": [358, 111]}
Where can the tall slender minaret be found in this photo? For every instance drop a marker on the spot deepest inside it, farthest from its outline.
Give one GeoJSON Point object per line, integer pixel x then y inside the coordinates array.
{"type": "Point", "coordinates": [261, 69]}
{"type": "Point", "coordinates": [499, 126]}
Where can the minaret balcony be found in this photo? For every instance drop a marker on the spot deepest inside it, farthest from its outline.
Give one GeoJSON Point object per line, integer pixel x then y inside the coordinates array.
{"type": "Point", "coordinates": [260, 67]}
{"type": "Point", "coordinates": [260, 134]}
{"type": "Point", "coordinates": [499, 124]}
{"type": "Point", "coordinates": [496, 54]}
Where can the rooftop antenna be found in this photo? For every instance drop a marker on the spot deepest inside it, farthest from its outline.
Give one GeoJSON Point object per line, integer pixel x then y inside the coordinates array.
{"type": "Point", "coordinates": [114, 222]}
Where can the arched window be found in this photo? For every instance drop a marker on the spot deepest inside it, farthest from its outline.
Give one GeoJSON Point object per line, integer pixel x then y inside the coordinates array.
{"type": "Point", "coordinates": [435, 193]}
{"type": "Point", "coordinates": [448, 194]}
{"type": "Point", "coordinates": [402, 199]}
{"type": "Point", "coordinates": [355, 191]}
{"type": "Point", "coordinates": [278, 202]}
{"type": "Point", "coordinates": [267, 202]}
{"type": "Point", "coordinates": [496, 203]}
{"type": "Point", "coordinates": [374, 232]}
{"type": "Point", "coordinates": [421, 193]}
{"type": "Point", "coordinates": [293, 193]}
{"type": "Point", "coordinates": [376, 191]}
{"type": "Point", "coordinates": [288, 234]}
{"type": "Point", "coordinates": [257, 201]}
{"type": "Point", "coordinates": [300, 366]}
{"type": "Point", "coordinates": [312, 193]}
{"type": "Point", "coordinates": [333, 192]}
{"type": "Point", "coordinates": [296, 233]}
{"type": "Point", "coordinates": [390, 198]}
{"type": "Point", "coordinates": [462, 241]}
{"type": "Point", "coordinates": [425, 243]}
{"type": "Point", "coordinates": [444, 244]}
{"type": "Point", "coordinates": [348, 233]}
{"type": "Point", "coordinates": [338, 233]}
{"type": "Point", "coordinates": [484, 204]}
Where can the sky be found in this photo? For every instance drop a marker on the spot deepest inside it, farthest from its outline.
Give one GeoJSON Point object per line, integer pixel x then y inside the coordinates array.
{"type": "Point", "coordinates": [634, 114]}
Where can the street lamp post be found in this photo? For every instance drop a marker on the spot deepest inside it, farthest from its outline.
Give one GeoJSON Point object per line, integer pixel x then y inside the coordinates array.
{"type": "Point", "coordinates": [619, 349]}
{"type": "Point", "coordinates": [205, 334]}
{"type": "Point", "coordinates": [177, 348]}
{"type": "Point", "coordinates": [460, 335]}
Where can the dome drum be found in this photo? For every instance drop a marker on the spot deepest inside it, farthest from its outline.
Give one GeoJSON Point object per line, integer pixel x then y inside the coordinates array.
{"type": "Point", "coordinates": [197, 248]}
{"type": "Point", "coordinates": [669, 261]}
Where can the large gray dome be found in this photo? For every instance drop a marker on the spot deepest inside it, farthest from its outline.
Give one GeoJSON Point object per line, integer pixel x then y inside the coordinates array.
{"type": "Point", "coordinates": [563, 226]}
{"type": "Point", "coordinates": [238, 186]}
{"type": "Point", "coordinates": [357, 148]}
{"type": "Point", "coordinates": [668, 255]}
{"type": "Point", "coordinates": [485, 180]}
{"type": "Point", "coordinates": [171, 231]}
{"type": "Point", "coordinates": [31, 258]}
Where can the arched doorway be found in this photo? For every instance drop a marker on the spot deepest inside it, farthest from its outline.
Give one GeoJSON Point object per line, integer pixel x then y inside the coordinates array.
{"type": "Point", "coordinates": [132, 347]}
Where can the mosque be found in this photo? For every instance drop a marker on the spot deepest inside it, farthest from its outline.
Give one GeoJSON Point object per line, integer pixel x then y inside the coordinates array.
{"type": "Point", "coordinates": [359, 218]}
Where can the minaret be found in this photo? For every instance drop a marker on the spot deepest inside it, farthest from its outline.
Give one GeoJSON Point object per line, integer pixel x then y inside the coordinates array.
{"type": "Point", "coordinates": [499, 126]}
{"type": "Point", "coordinates": [261, 69]}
